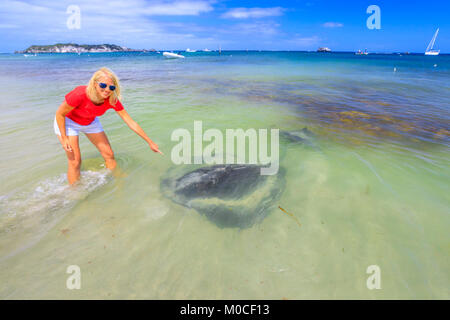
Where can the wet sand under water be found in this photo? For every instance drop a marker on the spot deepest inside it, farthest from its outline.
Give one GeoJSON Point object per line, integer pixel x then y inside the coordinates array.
{"type": "Point", "coordinates": [370, 187]}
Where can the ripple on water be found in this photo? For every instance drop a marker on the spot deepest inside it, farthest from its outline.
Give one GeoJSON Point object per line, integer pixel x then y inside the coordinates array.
{"type": "Point", "coordinates": [26, 216]}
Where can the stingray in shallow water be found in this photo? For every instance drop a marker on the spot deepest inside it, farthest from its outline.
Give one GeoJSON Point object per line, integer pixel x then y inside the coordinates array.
{"type": "Point", "coordinates": [229, 195]}
{"type": "Point", "coordinates": [301, 136]}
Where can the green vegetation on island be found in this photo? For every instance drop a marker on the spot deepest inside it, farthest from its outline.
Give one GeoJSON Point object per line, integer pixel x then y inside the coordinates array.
{"type": "Point", "coordinates": [78, 48]}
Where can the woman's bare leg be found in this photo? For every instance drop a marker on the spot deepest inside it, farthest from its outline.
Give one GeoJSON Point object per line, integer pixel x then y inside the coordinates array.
{"type": "Point", "coordinates": [100, 140]}
{"type": "Point", "coordinates": [73, 160]}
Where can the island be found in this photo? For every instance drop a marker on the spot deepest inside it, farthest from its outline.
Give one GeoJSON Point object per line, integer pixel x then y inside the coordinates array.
{"type": "Point", "coordinates": [79, 48]}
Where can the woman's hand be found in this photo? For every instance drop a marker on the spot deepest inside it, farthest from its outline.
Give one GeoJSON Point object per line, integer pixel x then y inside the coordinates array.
{"type": "Point", "coordinates": [66, 144]}
{"type": "Point", "coordinates": [154, 147]}
{"type": "Point", "coordinates": [60, 115]}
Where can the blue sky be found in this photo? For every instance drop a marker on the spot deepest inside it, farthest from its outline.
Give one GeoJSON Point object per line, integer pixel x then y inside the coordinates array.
{"type": "Point", "coordinates": [232, 24]}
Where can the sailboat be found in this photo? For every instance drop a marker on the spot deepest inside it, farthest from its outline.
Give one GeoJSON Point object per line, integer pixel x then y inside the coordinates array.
{"type": "Point", "coordinates": [430, 51]}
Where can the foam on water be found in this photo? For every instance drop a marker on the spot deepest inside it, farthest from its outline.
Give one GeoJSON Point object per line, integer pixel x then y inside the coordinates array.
{"type": "Point", "coordinates": [32, 213]}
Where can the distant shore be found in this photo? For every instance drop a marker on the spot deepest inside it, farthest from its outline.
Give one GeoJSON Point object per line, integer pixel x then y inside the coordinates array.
{"type": "Point", "coordinates": [77, 48]}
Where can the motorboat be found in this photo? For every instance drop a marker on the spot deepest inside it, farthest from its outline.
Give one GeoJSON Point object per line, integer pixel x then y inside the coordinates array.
{"type": "Point", "coordinates": [171, 55]}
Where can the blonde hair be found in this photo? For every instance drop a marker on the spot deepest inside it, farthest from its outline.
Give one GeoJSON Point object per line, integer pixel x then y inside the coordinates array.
{"type": "Point", "coordinates": [92, 92]}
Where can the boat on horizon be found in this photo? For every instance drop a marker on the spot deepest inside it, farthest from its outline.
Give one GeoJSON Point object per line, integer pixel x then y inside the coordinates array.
{"type": "Point", "coordinates": [359, 52]}
{"type": "Point", "coordinates": [190, 50]}
{"type": "Point", "coordinates": [206, 50]}
{"type": "Point", "coordinates": [324, 49]}
{"type": "Point", "coordinates": [171, 55]}
{"type": "Point", "coordinates": [430, 51]}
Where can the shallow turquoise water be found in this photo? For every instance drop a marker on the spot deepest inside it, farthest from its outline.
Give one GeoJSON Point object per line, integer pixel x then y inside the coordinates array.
{"type": "Point", "coordinates": [370, 188]}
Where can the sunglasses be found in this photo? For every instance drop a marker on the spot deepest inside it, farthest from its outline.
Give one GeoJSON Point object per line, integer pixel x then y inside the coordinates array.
{"type": "Point", "coordinates": [104, 85]}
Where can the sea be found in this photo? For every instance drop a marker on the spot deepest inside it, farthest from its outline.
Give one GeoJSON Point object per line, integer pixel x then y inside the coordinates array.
{"type": "Point", "coordinates": [364, 211]}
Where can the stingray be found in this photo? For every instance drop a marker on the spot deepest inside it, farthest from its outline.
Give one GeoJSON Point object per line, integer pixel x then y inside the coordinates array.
{"type": "Point", "coordinates": [230, 196]}
{"type": "Point", "coordinates": [302, 136]}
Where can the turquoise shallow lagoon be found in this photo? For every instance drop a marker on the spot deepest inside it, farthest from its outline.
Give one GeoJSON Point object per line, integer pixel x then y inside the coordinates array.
{"type": "Point", "coordinates": [371, 186]}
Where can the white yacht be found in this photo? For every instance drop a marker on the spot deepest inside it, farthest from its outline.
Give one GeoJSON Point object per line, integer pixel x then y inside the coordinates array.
{"type": "Point", "coordinates": [324, 49]}
{"type": "Point", "coordinates": [171, 55]}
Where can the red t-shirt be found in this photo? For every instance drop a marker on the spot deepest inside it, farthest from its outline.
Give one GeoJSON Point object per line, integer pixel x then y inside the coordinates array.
{"type": "Point", "coordinates": [85, 110]}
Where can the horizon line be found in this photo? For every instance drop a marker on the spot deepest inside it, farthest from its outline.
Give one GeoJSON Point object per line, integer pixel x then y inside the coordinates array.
{"type": "Point", "coordinates": [257, 50]}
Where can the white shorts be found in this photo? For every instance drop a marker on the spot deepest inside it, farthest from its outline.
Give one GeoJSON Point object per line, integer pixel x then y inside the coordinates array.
{"type": "Point", "coordinates": [73, 128]}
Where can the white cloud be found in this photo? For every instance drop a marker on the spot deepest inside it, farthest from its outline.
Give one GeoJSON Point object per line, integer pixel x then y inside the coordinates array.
{"type": "Point", "coordinates": [126, 23]}
{"type": "Point", "coordinates": [179, 8]}
{"type": "Point", "coordinates": [332, 25]}
{"type": "Point", "coordinates": [245, 13]}
{"type": "Point", "coordinates": [8, 26]}
{"type": "Point", "coordinates": [299, 42]}
{"type": "Point", "coordinates": [256, 29]}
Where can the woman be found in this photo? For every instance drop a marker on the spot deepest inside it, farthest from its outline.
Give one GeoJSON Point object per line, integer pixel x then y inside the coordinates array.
{"type": "Point", "coordinates": [79, 112]}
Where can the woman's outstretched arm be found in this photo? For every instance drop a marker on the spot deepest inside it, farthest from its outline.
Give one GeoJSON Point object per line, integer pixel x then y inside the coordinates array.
{"type": "Point", "coordinates": [137, 128]}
